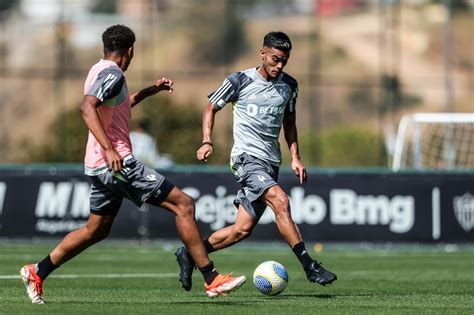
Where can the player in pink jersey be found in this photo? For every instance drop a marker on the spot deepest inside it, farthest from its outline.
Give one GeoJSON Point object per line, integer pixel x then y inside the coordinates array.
{"type": "Point", "coordinates": [115, 174]}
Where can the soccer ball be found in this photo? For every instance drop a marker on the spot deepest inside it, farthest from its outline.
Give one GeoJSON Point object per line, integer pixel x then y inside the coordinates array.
{"type": "Point", "coordinates": [270, 278]}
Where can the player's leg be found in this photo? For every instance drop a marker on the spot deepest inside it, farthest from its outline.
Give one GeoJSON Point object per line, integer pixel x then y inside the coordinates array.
{"type": "Point", "coordinates": [96, 229]}
{"type": "Point", "coordinates": [182, 206]}
{"type": "Point", "coordinates": [232, 234]}
{"type": "Point", "coordinates": [33, 275]}
{"type": "Point", "coordinates": [246, 171]}
{"type": "Point", "coordinates": [278, 201]}
{"type": "Point", "coordinates": [241, 229]}
{"type": "Point", "coordinates": [104, 203]}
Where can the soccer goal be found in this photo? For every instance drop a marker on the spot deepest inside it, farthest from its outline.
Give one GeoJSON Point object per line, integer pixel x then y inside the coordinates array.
{"type": "Point", "coordinates": [435, 141]}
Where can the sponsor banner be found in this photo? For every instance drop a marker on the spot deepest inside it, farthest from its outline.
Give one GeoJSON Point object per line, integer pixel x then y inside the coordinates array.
{"type": "Point", "coordinates": [345, 206]}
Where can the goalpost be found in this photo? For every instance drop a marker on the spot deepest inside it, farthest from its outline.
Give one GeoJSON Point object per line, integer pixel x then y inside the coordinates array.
{"type": "Point", "coordinates": [435, 141]}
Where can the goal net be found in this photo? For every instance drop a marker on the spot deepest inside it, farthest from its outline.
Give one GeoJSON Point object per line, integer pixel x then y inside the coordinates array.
{"type": "Point", "coordinates": [435, 141]}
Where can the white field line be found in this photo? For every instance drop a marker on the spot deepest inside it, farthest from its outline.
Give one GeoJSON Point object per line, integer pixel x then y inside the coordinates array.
{"type": "Point", "coordinates": [102, 275]}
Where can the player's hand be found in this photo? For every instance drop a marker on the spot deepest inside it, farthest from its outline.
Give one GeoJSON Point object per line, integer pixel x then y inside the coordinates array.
{"type": "Point", "coordinates": [164, 84]}
{"type": "Point", "coordinates": [299, 170]}
{"type": "Point", "coordinates": [114, 160]}
{"type": "Point", "coordinates": [204, 152]}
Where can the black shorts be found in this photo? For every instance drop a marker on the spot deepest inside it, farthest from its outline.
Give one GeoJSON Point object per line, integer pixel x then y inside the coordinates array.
{"type": "Point", "coordinates": [135, 181]}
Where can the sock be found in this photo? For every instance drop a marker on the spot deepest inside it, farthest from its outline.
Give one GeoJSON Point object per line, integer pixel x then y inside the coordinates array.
{"type": "Point", "coordinates": [45, 267]}
{"type": "Point", "coordinates": [208, 246]}
{"type": "Point", "coordinates": [209, 272]}
{"type": "Point", "coordinates": [302, 254]}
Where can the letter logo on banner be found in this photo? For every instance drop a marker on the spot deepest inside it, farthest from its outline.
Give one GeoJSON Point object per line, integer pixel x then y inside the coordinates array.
{"type": "Point", "coordinates": [53, 199]}
{"type": "Point", "coordinates": [349, 208]}
{"type": "Point", "coordinates": [216, 210]}
{"type": "Point", "coordinates": [62, 207]}
{"type": "Point", "coordinates": [464, 210]}
{"type": "Point", "coordinates": [309, 209]}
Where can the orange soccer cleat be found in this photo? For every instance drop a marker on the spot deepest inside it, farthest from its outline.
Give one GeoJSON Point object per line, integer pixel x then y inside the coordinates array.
{"type": "Point", "coordinates": [223, 284]}
{"type": "Point", "coordinates": [33, 283]}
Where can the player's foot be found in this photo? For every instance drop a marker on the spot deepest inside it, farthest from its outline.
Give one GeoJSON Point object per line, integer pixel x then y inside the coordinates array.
{"type": "Point", "coordinates": [186, 266]}
{"type": "Point", "coordinates": [223, 284]}
{"type": "Point", "coordinates": [316, 273]}
{"type": "Point", "coordinates": [33, 283]}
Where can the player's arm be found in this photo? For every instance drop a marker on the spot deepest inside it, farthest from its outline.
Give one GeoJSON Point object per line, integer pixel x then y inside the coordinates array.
{"type": "Point", "coordinates": [159, 85]}
{"type": "Point", "coordinates": [291, 137]}
{"type": "Point", "coordinates": [205, 150]}
{"type": "Point", "coordinates": [91, 117]}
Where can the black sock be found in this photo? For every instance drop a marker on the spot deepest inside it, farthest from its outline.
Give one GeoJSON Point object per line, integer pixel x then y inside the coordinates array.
{"type": "Point", "coordinates": [209, 272]}
{"type": "Point", "coordinates": [208, 246]}
{"type": "Point", "coordinates": [302, 254]}
{"type": "Point", "coordinates": [45, 267]}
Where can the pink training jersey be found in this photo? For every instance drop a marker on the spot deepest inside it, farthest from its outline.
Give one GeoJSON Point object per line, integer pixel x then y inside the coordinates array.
{"type": "Point", "coordinates": [106, 81]}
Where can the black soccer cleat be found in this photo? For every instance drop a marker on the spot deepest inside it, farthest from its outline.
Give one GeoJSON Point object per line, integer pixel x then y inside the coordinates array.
{"type": "Point", "coordinates": [186, 266]}
{"type": "Point", "coordinates": [316, 273]}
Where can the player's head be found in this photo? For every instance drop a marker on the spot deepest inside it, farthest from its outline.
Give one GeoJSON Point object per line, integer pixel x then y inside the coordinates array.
{"type": "Point", "coordinates": [275, 53]}
{"type": "Point", "coordinates": [119, 39]}
{"type": "Point", "coordinates": [277, 40]}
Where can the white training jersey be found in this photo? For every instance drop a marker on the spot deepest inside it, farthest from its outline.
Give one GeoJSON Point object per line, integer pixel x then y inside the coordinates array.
{"type": "Point", "coordinates": [259, 107]}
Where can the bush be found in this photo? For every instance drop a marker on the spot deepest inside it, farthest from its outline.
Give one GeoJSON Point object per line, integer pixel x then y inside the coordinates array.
{"type": "Point", "coordinates": [66, 140]}
{"type": "Point", "coordinates": [177, 128]}
{"type": "Point", "coordinates": [343, 147]}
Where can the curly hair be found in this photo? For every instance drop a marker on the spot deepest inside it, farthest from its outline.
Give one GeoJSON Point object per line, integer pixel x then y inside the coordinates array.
{"type": "Point", "coordinates": [278, 40]}
{"type": "Point", "coordinates": [117, 38]}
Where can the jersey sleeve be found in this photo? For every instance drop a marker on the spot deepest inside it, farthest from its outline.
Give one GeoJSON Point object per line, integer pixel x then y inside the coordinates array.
{"type": "Point", "coordinates": [108, 84]}
{"type": "Point", "coordinates": [293, 84]}
{"type": "Point", "coordinates": [229, 90]}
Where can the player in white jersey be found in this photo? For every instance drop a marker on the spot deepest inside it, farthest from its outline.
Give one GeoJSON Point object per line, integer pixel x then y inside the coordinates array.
{"type": "Point", "coordinates": [264, 101]}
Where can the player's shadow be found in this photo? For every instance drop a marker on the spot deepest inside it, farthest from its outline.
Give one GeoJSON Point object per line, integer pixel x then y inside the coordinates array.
{"type": "Point", "coordinates": [154, 302]}
{"type": "Point", "coordinates": [213, 302]}
{"type": "Point", "coordinates": [300, 295]}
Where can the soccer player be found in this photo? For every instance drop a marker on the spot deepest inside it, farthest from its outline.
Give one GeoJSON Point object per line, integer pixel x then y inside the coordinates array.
{"type": "Point", "coordinates": [114, 172]}
{"type": "Point", "coordinates": [264, 101]}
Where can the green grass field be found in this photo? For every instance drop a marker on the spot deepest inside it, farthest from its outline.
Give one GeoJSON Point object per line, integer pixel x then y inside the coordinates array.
{"type": "Point", "coordinates": [114, 278]}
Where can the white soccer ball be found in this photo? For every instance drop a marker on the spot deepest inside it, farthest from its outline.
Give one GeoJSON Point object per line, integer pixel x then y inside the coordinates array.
{"type": "Point", "coordinates": [270, 278]}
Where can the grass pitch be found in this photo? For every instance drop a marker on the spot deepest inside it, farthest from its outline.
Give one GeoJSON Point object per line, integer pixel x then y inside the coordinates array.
{"type": "Point", "coordinates": [112, 278]}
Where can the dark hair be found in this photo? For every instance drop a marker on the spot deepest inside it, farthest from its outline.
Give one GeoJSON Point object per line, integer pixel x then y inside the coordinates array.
{"type": "Point", "coordinates": [278, 40]}
{"type": "Point", "coordinates": [117, 38]}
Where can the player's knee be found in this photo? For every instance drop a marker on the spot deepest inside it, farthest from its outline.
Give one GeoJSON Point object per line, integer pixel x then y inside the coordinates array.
{"type": "Point", "coordinates": [186, 207]}
{"type": "Point", "coordinates": [282, 205]}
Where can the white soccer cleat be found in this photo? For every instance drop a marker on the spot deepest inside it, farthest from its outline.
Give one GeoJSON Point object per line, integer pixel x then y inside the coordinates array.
{"type": "Point", "coordinates": [33, 283]}
{"type": "Point", "coordinates": [223, 284]}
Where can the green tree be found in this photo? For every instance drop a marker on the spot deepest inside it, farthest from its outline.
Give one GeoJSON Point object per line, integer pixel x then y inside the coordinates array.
{"type": "Point", "coordinates": [391, 98]}
{"type": "Point", "coordinates": [215, 31]}
{"type": "Point", "coordinates": [104, 6]}
{"type": "Point", "coordinates": [5, 8]}
{"type": "Point", "coordinates": [177, 129]}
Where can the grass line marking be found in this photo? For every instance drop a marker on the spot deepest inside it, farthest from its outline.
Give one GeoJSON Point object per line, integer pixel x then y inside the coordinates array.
{"type": "Point", "coordinates": [102, 275]}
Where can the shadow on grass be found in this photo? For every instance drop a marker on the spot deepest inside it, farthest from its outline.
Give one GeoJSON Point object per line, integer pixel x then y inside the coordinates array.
{"type": "Point", "coordinates": [124, 303]}
{"type": "Point", "coordinates": [305, 295]}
